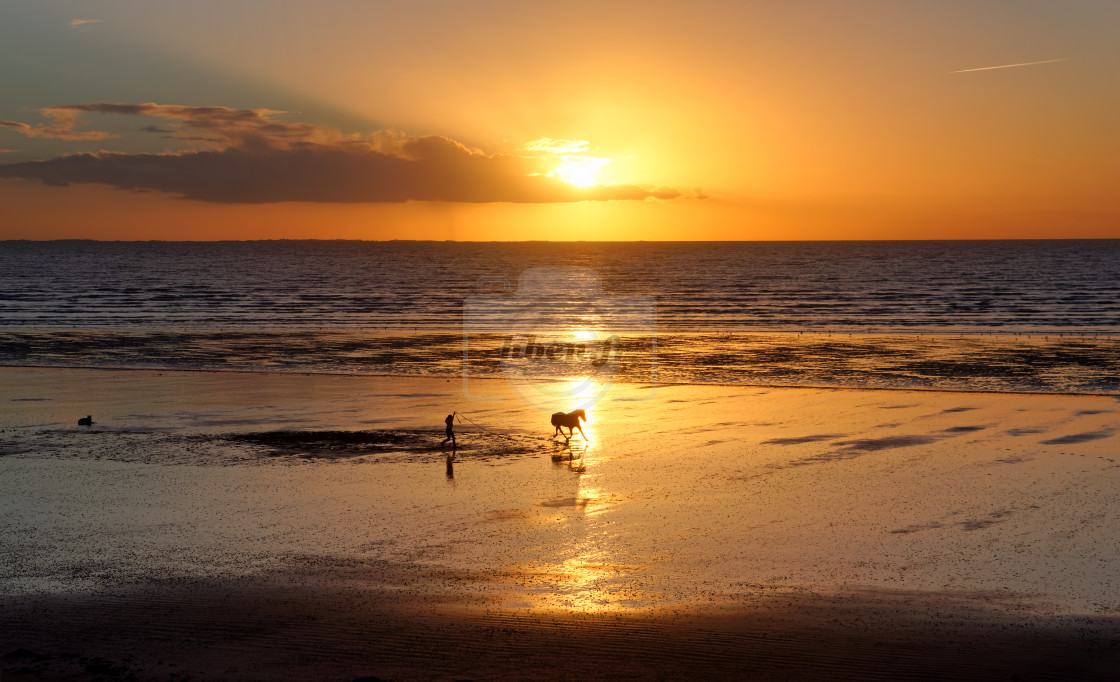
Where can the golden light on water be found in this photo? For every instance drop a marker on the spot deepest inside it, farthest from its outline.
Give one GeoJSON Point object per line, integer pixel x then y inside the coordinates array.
{"type": "Point", "coordinates": [580, 390]}
{"type": "Point", "coordinates": [585, 574]}
{"type": "Point", "coordinates": [582, 394]}
{"type": "Point", "coordinates": [589, 576]}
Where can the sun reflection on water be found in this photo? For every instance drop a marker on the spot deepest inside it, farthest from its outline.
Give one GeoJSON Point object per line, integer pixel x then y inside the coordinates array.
{"type": "Point", "coordinates": [582, 568]}
{"type": "Point", "coordinates": [586, 574]}
{"type": "Point", "coordinates": [582, 393]}
{"type": "Point", "coordinates": [563, 370]}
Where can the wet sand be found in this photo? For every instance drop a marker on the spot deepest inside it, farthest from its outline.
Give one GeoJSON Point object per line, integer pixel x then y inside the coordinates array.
{"type": "Point", "coordinates": [264, 526]}
{"type": "Point", "coordinates": [1048, 362]}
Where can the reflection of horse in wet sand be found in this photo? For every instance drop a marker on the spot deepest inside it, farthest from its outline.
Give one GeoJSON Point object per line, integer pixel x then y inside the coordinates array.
{"type": "Point", "coordinates": [572, 456]}
{"type": "Point", "coordinates": [568, 420]}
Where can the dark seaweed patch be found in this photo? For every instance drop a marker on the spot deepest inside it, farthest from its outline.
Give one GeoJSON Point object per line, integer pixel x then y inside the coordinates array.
{"type": "Point", "coordinates": [1078, 438]}
{"type": "Point", "coordinates": [855, 448]}
{"type": "Point", "coordinates": [802, 439]}
{"type": "Point", "coordinates": [887, 443]}
{"type": "Point", "coordinates": [964, 429]}
{"type": "Point", "coordinates": [915, 528]}
{"type": "Point", "coordinates": [1024, 432]}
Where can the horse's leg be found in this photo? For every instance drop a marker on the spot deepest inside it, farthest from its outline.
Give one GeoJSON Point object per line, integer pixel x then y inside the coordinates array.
{"type": "Point", "coordinates": [581, 431]}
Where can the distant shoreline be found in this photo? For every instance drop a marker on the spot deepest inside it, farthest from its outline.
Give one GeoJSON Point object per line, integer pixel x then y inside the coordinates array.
{"type": "Point", "coordinates": [565, 241]}
{"type": "Point", "coordinates": [454, 378]}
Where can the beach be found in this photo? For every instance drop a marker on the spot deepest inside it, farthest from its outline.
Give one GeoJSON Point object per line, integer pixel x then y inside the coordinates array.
{"type": "Point", "coordinates": [370, 341]}
{"type": "Point", "coordinates": [220, 525]}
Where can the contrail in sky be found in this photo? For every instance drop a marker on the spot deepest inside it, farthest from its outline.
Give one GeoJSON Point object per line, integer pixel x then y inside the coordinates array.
{"type": "Point", "coordinates": [1011, 66]}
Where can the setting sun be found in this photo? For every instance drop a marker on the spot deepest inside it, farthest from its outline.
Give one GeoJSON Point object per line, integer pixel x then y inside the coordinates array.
{"type": "Point", "coordinates": [582, 171]}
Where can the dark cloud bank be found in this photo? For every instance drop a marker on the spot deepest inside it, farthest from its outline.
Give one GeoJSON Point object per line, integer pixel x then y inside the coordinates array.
{"type": "Point", "coordinates": [255, 159]}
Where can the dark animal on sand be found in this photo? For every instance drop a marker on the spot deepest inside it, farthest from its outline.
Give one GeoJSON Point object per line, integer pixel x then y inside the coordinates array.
{"type": "Point", "coordinates": [86, 421]}
{"type": "Point", "coordinates": [568, 420]}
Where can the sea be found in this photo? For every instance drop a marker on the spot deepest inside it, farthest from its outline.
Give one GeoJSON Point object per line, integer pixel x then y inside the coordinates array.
{"type": "Point", "coordinates": [1017, 315]}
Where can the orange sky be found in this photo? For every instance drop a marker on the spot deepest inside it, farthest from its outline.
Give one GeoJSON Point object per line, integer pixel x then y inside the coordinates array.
{"type": "Point", "coordinates": [720, 121]}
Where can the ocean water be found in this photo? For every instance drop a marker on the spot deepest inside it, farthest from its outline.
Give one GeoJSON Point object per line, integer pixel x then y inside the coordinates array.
{"type": "Point", "coordinates": [1000, 315]}
{"type": "Point", "coordinates": [800, 286]}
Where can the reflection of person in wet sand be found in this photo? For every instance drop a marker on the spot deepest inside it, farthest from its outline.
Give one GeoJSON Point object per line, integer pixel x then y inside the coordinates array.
{"type": "Point", "coordinates": [450, 421]}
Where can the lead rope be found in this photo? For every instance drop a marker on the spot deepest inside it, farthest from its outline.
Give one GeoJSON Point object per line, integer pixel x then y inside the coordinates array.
{"type": "Point", "coordinates": [460, 416]}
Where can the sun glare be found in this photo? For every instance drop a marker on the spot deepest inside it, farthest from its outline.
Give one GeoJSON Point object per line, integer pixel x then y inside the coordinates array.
{"type": "Point", "coordinates": [582, 171]}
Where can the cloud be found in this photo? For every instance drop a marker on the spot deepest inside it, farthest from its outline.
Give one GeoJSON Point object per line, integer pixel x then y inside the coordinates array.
{"type": "Point", "coordinates": [61, 126]}
{"type": "Point", "coordinates": [253, 158]}
{"type": "Point", "coordinates": [75, 23]}
{"type": "Point", "coordinates": [551, 146]}
{"type": "Point", "coordinates": [8, 151]}
{"type": "Point", "coordinates": [222, 126]}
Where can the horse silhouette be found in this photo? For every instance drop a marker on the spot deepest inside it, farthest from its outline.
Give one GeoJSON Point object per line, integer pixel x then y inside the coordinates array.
{"type": "Point", "coordinates": [569, 420]}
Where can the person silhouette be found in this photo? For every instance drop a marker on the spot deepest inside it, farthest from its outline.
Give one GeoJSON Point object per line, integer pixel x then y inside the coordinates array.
{"type": "Point", "coordinates": [450, 421]}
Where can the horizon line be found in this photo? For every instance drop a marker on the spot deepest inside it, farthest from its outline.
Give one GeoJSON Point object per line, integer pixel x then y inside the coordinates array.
{"type": "Point", "coordinates": [551, 241]}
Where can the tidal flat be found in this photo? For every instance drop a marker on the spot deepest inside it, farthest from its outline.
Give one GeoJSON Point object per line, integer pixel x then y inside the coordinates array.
{"type": "Point", "coordinates": [221, 525]}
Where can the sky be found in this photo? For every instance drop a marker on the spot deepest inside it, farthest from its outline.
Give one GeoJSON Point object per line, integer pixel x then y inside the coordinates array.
{"type": "Point", "coordinates": [496, 120]}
